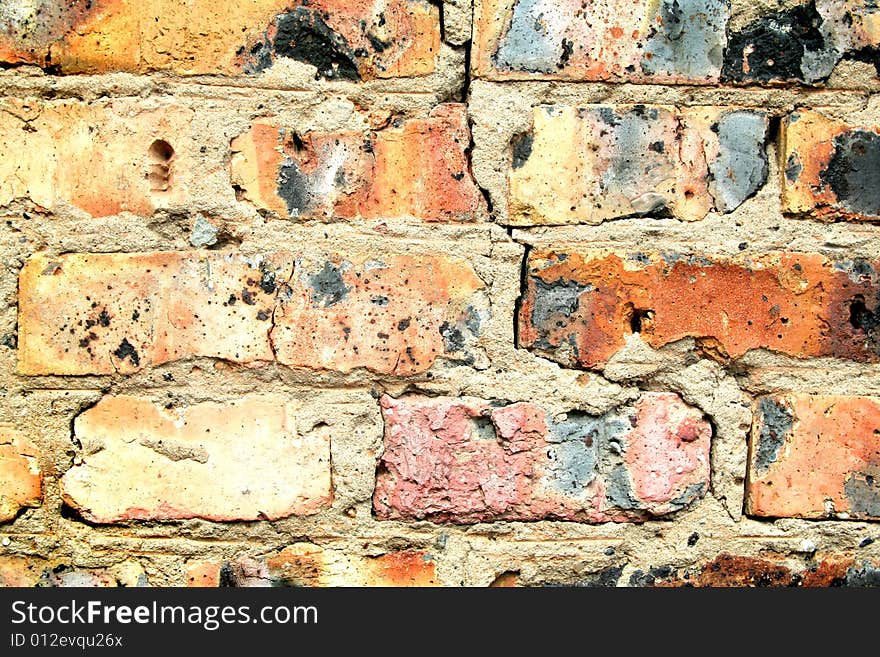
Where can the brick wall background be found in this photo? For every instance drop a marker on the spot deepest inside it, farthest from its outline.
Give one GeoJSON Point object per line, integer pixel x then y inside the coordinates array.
{"type": "Point", "coordinates": [394, 292]}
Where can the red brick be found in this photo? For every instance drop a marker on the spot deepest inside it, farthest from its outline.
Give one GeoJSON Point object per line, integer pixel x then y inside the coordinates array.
{"type": "Point", "coordinates": [412, 168]}
{"type": "Point", "coordinates": [596, 162]}
{"type": "Point", "coordinates": [579, 307]}
{"type": "Point", "coordinates": [20, 476]}
{"type": "Point", "coordinates": [103, 158]}
{"type": "Point", "coordinates": [815, 456]}
{"type": "Point", "coordinates": [106, 313]}
{"type": "Point", "coordinates": [614, 40]}
{"type": "Point", "coordinates": [358, 40]}
{"type": "Point", "coordinates": [469, 460]}
{"type": "Point", "coordinates": [240, 460]}
{"type": "Point", "coordinates": [829, 168]}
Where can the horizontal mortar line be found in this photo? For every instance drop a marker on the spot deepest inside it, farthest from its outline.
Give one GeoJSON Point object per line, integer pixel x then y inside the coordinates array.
{"type": "Point", "coordinates": [295, 90]}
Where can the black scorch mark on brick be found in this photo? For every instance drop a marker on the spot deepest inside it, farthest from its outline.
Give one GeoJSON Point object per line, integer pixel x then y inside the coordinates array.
{"type": "Point", "coordinates": [327, 285]}
{"type": "Point", "coordinates": [852, 171]}
{"type": "Point", "coordinates": [127, 350]}
{"type": "Point", "coordinates": [302, 34]}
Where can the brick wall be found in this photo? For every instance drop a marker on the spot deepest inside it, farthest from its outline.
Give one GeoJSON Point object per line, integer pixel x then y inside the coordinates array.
{"type": "Point", "coordinates": [516, 292]}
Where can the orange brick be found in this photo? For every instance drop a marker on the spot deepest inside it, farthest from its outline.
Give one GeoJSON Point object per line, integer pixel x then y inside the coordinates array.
{"type": "Point", "coordinates": [305, 564]}
{"type": "Point", "coordinates": [240, 460]}
{"type": "Point", "coordinates": [579, 307]}
{"type": "Point", "coordinates": [829, 168]}
{"type": "Point", "coordinates": [414, 168]}
{"type": "Point", "coordinates": [615, 40]}
{"type": "Point", "coordinates": [103, 158]}
{"type": "Point", "coordinates": [596, 162]}
{"type": "Point", "coordinates": [390, 314]}
{"type": "Point", "coordinates": [815, 456]}
{"type": "Point", "coordinates": [350, 40]}
{"type": "Point", "coordinates": [203, 573]}
{"type": "Point", "coordinates": [107, 313]}
{"type": "Point", "coordinates": [30, 571]}
{"type": "Point", "coordinates": [20, 476]}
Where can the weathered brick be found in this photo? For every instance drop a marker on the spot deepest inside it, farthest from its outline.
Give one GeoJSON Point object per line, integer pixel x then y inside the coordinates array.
{"type": "Point", "coordinates": [203, 574]}
{"type": "Point", "coordinates": [596, 162]}
{"type": "Point", "coordinates": [240, 460]}
{"type": "Point", "coordinates": [830, 168]}
{"type": "Point", "coordinates": [728, 570]}
{"type": "Point", "coordinates": [412, 168]}
{"type": "Point", "coordinates": [20, 476]}
{"type": "Point", "coordinates": [579, 307]}
{"type": "Point", "coordinates": [343, 40]}
{"type": "Point", "coordinates": [802, 43]}
{"type": "Point", "coordinates": [103, 158]}
{"type": "Point", "coordinates": [305, 564]}
{"type": "Point", "coordinates": [815, 456]}
{"type": "Point", "coordinates": [107, 313]}
{"type": "Point", "coordinates": [389, 314]}
{"type": "Point", "coordinates": [38, 572]}
{"type": "Point", "coordinates": [614, 40]}
{"type": "Point", "coordinates": [466, 460]}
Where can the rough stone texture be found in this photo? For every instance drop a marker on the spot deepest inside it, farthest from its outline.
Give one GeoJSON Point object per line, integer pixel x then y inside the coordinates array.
{"type": "Point", "coordinates": [31, 571]}
{"type": "Point", "coordinates": [20, 475]}
{"type": "Point", "coordinates": [815, 456]}
{"type": "Point", "coordinates": [618, 40]}
{"type": "Point", "coordinates": [469, 460]}
{"type": "Point", "coordinates": [103, 158]}
{"type": "Point", "coordinates": [592, 163]}
{"type": "Point", "coordinates": [145, 462]}
{"type": "Point", "coordinates": [579, 306]}
{"type": "Point", "coordinates": [830, 168]}
{"type": "Point", "coordinates": [410, 168]}
{"type": "Point", "coordinates": [119, 313]}
{"type": "Point", "coordinates": [348, 40]}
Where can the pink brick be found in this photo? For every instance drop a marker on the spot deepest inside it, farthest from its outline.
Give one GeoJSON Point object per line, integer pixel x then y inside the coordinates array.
{"type": "Point", "coordinates": [469, 460]}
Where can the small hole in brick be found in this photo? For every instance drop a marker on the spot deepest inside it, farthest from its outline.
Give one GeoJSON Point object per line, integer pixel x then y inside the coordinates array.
{"type": "Point", "coordinates": [161, 154]}
{"type": "Point", "coordinates": [640, 319]}
{"type": "Point", "coordinates": [161, 151]}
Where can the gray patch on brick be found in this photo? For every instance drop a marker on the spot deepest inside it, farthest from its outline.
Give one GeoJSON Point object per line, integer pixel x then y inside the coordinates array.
{"type": "Point", "coordinates": [618, 489]}
{"type": "Point", "coordinates": [561, 297]}
{"type": "Point", "coordinates": [482, 428]}
{"type": "Point", "coordinates": [691, 494]}
{"type": "Point", "coordinates": [574, 451]}
{"type": "Point", "coordinates": [775, 426]}
{"type": "Point", "coordinates": [852, 172]}
{"type": "Point", "coordinates": [858, 270]}
{"type": "Point", "coordinates": [527, 45]}
{"type": "Point", "coordinates": [521, 147]}
{"type": "Point", "coordinates": [863, 493]}
{"type": "Point", "coordinates": [866, 576]}
{"type": "Point", "coordinates": [635, 168]}
{"type": "Point", "coordinates": [204, 233]}
{"type": "Point", "coordinates": [295, 188]}
{"type": "Point", "coordinates": [741, 167]}
{"type": "Point", "coordinates": [690, 41]}
{"type": "Point", "coordinates": [327, 285]}
{"type": "Point", "coordinates": [793, 168]}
